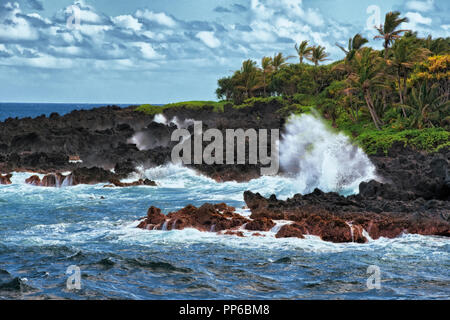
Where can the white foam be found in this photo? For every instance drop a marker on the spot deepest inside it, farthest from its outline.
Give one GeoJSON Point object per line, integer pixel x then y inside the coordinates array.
{"type": "Point", "coordinates": [316, 157]}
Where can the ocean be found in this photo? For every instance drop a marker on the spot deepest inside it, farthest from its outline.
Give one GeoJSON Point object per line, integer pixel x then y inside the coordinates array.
{"type": "Point", "coordinates": [22, 110]}
{"type": "Point", "coordinates": [44, 231]}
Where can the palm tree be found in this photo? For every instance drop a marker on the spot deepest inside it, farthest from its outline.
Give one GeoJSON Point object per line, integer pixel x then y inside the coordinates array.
{"type": "Point", "coordinates": [437, 46]}
{"type": "Point", "coordinates": [318, 54]}
{"type": "Point", "coordinates": [354, 44]}
{"type": "Point", "coordinates": [225, 88]}
{"type": "Point", "coordinates": [279, 61]}
{"type": "Point", "coordinates": [404, 55]}
{"type": "Point", "coordinates": [388, 31]}
{"type": "Point", "coordinates": [426, 106]}
{"type": "Point", "coordinates": [303, 50]}
{"type": "Point", "coordinates": [367, 74]}
{"type": "Point", "coordinates": [247, 77]}
{"type": "Point", "coordinates": [266, 68]}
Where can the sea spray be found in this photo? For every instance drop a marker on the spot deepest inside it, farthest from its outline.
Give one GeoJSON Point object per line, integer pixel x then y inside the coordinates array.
{"type": "Point", "coordinates": [160, 118]}
{"type": "Point", "coordinates": [144, 141]}
{"type": "Point", "coordinates": [311, 156]}
{"type": "Point", "coordinates": [316, 157]}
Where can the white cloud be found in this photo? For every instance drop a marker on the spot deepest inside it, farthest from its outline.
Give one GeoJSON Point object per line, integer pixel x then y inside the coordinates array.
{"type": "Point", "coordinates": [127, 22]}
{"type": "Point", "coordinates": [38, 16]}
{"type": "Point", "coordinates": [423, 6]}
{"type": "Point", "coordinates": [84, 13]}
{"type": "Point", "coordinates": [416, 19]}
{"type": "Point", "coordinates": [160, 18]}
{"type": "Point", "coordinates": [15, 27]}
{"type": "Point", "coordinates": [147, 51]}
{"type": "Point", "coordinates": [43, 61]}
{"type": "Point", "coordinates": [208, 39]}
{"type": "Point", "coordinates": [70, 50]}
{"type": "Point", "coordinates": [149, 38]}
{"type": "Point", "coordinates": [314, 17]}
{"type": "Point", "coordinates": [93, 30]}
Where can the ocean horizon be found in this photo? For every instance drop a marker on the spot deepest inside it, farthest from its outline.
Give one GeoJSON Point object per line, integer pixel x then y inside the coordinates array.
{"type": "Point", "coordinates": [36, 109]}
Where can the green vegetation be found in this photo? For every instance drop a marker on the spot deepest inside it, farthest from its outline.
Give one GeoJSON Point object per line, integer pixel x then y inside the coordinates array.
{"type": "Point", "coordinates": [152, 109]}
{"type": "Point", "coordinates": [431, 139]}
{"type": "Point", "coordinates": [378, 97]}
{"type": "Point", "coordinates": [216, 106]}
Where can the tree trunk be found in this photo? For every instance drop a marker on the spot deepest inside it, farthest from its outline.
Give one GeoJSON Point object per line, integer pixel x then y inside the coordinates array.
{"type": "Point", "coordinates": [405, 86]}
{"type": "Point", "coordinates": [383, 91]}
{"type": "Point", "coordinates": [264, 76]}
{"type": "Point", "coordinates": [371, 110]}
{"type": "Point", "coordinates": [400, 92]}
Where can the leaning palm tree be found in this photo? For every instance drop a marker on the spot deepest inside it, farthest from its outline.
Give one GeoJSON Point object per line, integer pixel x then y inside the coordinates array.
{"type": "Point", "coordinates": [279, 61]}
{"type": "Point", "coordinates": [354, 44]}
{"type": "Point", "coordinates": [303, 50]}
{"type": "Point", "coordinates": [388, 31]}
{"type": "Point", "coordinates": [318, 55]}
{"type": "Point", "coordinates": [367, 74]}
{"type": "Point", "coordinates": [403, 57]}
{"type": "Point", "coordinates": [266, 68]}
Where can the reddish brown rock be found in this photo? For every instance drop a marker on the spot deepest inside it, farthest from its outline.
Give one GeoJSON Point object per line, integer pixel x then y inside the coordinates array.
{"type": "Point", "coordinates": [140, 182]}
{"type": "Point", "coordinates": [261, 224]}
{"type": "Point", "coordinates": [343, 219]}
{"type": "Point", "coordinates": [84, 176]}
{"type": "Point", "coordinates": [53, 180]}
{"type": "Point", "coordinates": [34, 180]}
{"type": "Point", "coordinates": [154, 216]}
{"type": "Point", "coordinates": [224, 207]}
{"type": "Point", "coordinates": [92, 175]}
{"type": "Point", "coordinates": [290, 231]}
{"type": "Point", "coordinates": [231, 174]}
{"type": "Point", "coordinates": [50, 180]}
{"type": "Point", "coordinates": [257, 234]}
{"type": "Point", "coordinates": [234, 233]}
{"type": "Point", "coordinates": [206, 218]}
{"type": "Point", "coordinates": [330, 216]}
{"type": "Point", "coordinates": [75, 158]}
{"type": "Point", "coordinates": [5, 179]}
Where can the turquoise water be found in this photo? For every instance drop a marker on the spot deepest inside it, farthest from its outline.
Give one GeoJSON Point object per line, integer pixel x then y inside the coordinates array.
{"type": "Point", "coordinates": [43, 231]}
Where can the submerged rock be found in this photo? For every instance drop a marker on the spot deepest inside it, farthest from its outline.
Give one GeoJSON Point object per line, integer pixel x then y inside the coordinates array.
{"type": "Point", "coordinates": [261, 224]}
{"type": "Point", "coordinates": [343, 219]}
{"type": "Point", "coordinates": [51, 180]}
{"type": "Point", "coordinates": [331, 217]}
{"type": "Point", "coordinates": [5, 179]}
{"type": "Point", "coordinates": [82, 176]}
{"type": "Point", "coordinates": [140, 182]}
{"type": "Point", "coordinates": [209, 217]}
{"type": "Point", "coordinates": [290, 231]}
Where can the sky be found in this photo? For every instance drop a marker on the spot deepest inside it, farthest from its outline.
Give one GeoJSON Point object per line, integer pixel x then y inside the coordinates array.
{"type": "Point", "coordinates": [162, 51]}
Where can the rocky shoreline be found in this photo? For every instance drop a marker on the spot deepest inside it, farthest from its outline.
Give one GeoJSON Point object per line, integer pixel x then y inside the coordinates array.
{"type": "Point", "coordinates": [105, 145]}
{"type": "Point", "coordinates": [120, 139]}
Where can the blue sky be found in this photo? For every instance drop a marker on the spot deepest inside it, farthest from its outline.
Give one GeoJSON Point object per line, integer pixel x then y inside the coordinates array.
{"type": "Point", "coordinates": [160, 51]}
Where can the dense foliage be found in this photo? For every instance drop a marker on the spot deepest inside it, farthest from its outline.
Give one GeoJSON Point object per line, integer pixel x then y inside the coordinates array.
{"type": "Point", "coordinates": [405, 85]}
{"type": "Point", "coordinates": [378, 97]}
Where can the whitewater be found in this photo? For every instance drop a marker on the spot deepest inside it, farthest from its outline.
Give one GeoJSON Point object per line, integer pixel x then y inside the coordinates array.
{"type": "Point", "coordinates": [43, 231]}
